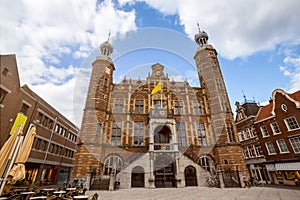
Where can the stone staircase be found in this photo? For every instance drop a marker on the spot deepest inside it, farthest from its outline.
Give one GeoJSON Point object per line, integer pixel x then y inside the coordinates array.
{"type": "Point", "coordinates": [100, 184]}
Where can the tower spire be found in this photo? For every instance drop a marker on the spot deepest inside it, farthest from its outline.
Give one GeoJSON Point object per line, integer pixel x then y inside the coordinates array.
{"type": "Point", "coordinates": [106, 48]}
{"type": "Point", "coordinates": [201, 37]}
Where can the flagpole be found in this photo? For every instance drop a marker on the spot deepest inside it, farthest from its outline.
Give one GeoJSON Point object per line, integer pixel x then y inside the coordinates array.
{"type": "Point", "coordinates": [160, 94]}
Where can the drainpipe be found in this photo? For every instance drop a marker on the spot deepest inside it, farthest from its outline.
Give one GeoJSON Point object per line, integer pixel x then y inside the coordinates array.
{"type": "Point", "coordinates": [50, 140]}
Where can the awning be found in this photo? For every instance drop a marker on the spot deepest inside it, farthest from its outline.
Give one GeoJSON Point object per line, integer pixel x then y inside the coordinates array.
{"type": "Point", "coordinates": [293, 166]}
{"type": "Point", "coordinates": [288, 166]}
{"type": "Point", "coordinates": [270, 167]}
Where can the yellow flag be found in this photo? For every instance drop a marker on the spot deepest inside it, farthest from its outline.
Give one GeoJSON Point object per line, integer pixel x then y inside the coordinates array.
{"type": "Point", "coordinates": [21, 119]}
{"type": "Point", "coordinates": [156, 89]}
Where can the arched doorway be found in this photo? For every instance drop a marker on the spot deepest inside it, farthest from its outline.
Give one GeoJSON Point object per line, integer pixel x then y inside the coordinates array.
{"type": "Point", "coordinates": [138, 177]}
{"type": "Point", "coordinates": [190, 176]}
{"type": "Point", "coordinates": [162, 136]}
{"type": "Point", "coordinates": [164, 172]}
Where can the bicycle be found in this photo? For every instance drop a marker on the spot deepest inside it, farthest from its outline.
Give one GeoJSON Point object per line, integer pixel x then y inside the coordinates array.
{"type": "Point", "coordinates": [212, 181]}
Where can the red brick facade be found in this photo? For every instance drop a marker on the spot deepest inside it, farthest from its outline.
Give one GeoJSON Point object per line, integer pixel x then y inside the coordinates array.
{"type": "Point", "coordinates": [125, 127]}
{"type": "Point", "coordinates": [52, 156]}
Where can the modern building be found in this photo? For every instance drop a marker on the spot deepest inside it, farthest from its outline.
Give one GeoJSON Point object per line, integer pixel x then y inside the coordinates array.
{"type": "Point", "coordinates": [52, 155]}
{"type": "Point", "coordinates": [254, 157]}
{"type": "Point", "coordinates": [278, 130]}
{"type": "Point", "coordinates": [158, 132]}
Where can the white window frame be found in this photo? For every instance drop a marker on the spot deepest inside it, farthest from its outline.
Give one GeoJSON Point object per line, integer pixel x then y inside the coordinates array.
{"type": "Point", "coordinates": [264, 131]}
{"type": "Point", "coordinates": [286, 121]}
{"type": "Point", "coordinates": [268, 149]}
{"type": "Point", "coordinates": [241, 136]}
{"type": "Point", "coordinates": [273, 125]}
{"type": "Point", "coordinates": [295, 145]}
{"type": "Point", "coordinates": [282, 146]}
{"type": "Point", "coordinates": [252, 132]}
{"type": "Point", "coordinates": [258, 151]}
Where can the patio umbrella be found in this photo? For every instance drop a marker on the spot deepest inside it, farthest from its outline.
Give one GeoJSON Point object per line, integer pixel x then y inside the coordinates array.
{"type": "Point", "coordinates": [18, 171]}
{"type": "Point", "coordinates": [6, 150]}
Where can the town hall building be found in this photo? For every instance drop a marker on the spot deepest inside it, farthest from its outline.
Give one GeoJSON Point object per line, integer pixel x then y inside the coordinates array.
{"type": "Point", "coordinates": [158, 132]}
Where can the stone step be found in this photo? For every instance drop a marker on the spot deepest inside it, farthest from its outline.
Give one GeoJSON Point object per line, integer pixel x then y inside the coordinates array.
{"type": "Point", "coordinates": [100, 184]}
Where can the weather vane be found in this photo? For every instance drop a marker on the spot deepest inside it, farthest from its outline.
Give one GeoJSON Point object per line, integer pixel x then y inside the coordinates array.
{"type": "Point", "coordinates": [108, 35]}
{"type": "Point", "coordinates": [198, 27]}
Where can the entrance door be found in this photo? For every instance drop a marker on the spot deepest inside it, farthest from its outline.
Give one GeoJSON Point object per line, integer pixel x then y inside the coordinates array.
{"type": "Point", "coordinates": [190, 176]}
{"type": "Point", "coordinates": [164, 172]}
{"type": "Point", "coordinates": [137, 177]}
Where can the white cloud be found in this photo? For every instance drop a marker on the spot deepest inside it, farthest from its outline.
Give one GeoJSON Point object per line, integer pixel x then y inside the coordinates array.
{"type": "Point", "coordinates": [292, 70]}
{"type": "Point", "coordinates": [46, 35]}
{"type": "Point", "coordinates": [237, 28]}
{"type": "Point", "coordinates": [60, 98]}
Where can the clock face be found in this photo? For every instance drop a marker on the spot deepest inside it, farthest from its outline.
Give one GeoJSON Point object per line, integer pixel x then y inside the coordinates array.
{"type": "Point", "coordinates": [157, 73]}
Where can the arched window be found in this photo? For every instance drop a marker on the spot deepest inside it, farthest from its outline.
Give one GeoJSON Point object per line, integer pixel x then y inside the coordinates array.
{"type": "Point", "coordinates": [206, 162]}
{"type": "Point", "coordinates": [112, 162]}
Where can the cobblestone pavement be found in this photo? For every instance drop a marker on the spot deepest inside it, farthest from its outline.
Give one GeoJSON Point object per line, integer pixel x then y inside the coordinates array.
{"type": "Point", "coordinates": [193, 193]}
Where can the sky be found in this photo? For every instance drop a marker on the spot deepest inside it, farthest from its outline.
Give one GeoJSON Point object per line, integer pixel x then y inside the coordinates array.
{"type": "Point", "coordinates": [258, 43]}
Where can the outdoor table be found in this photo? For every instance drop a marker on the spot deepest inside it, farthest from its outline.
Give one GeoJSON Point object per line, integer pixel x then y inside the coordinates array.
{"type": "Point", "coordinates": [39, 197]}
{"type": "Point", "coordinates": [48, 190]}
{"type": "Point", "coordinates": [81, 197]}
{"type": "Point", "coordinates": [24, 195]}
{"type": "Point", "coordinates": [59, 192]}
{"type": "Point", "coordinates": [71, 189]}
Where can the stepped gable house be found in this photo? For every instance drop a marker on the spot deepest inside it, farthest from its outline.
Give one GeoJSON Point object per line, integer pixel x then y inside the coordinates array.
{"type": "Point", "coordinates": [158, 132]}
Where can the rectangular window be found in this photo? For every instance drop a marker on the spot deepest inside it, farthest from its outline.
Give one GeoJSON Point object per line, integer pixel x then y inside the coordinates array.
{"type": "Point", "coordinates": [219, 84]}
{"type": "Point", "coordinates": [56, 128]}
{"type": "Point", "coordinates": [282, 146]}
{"type": "Point", "coordinates": [223, 103]}
{"type": "Point", "coordinates": [50, 124]}
{"type": "Point", "coordinates": [45, 121]}
{"type": "Point", "coordinates": [258, 151]}
{"type": "Point", "coordinates": [291, 123]}
{"type": "Point", "coordinates": [178, 107]}
{"type": "Point", "coordinates": [241, 136]}
{"type": "Point", "coordinates": [24, 108]}
{"type": "Point", "coordinates": [139, 106]}
{"type": "Point", "coordinates": [3, 93]}
{"type": "Point", "coordinates": [246, 135]}
{"type": "Point", "coordinates": [37, 143]}
{"type": "Point", "coordinates": [138, 133]}
{"type": "Point", "coordinates": [295, 142]}
{"type": "Point", "coordinates": [230, 132]}
{"type": "Point", "coordinates": [251, 132]}
{"type": "Point", "coordinates": [39, 118]}
{"type": "Point", "coordinates": [105, 82]}
{"type": "Point", "coordinates": [116, 133]}
{"type": "Point", "coordinates": [197, 108]}
{"type": "Point", "coordinates": [119, 105]}
{"type": "Point", "coordinates": [264, 131]}
{"type": "Point", "coordinates": [43, 145]}
{"type": "Point", "coordinates": [246, 153]}
{"type": "Point", "coordinates": [98, 129]}
{"type": "Point", "coordinates": [181, 134]}
{"type": "Point", "coordinates": [270, 148]}
{"type": "Point", "coordinates": [275, 128]}
{"type": "Point", "coordinates": [201, 134]}
{"type": "Point", "coordinates": [251, 151]}
{"type": "Point", "coordinates": [5, 71]}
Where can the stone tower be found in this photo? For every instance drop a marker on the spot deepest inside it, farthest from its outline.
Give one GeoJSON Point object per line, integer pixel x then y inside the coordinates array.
{"type": "Point", "coordinates": [227, 150]}
{"type": "Point", "coordinates": [94, 114]}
